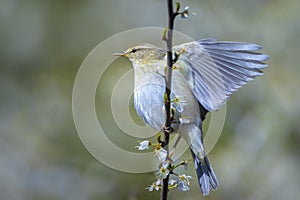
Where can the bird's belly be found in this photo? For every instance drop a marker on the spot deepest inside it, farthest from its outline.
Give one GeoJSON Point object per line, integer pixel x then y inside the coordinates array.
{"type": "Point", "coordinates": [149, 99]}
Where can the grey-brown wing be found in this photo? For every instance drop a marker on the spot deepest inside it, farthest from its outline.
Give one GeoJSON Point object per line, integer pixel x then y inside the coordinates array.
{"type": "Point", "coordinates": [215, 69]}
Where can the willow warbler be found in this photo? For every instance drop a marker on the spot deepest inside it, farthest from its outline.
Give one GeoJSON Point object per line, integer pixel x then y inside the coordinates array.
{"type": "Point", "coordinates": [204, 76]}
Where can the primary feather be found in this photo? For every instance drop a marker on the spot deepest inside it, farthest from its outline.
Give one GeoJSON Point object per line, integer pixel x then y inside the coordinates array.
{"type": "Point", "coordinates": [216, 69]}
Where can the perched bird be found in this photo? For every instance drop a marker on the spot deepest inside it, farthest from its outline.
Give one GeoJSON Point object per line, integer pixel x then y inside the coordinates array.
{"type": "Point", "coordinates": [204, 76]}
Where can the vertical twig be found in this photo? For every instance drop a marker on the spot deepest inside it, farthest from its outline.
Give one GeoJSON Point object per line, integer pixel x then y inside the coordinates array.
{"type": "Point", "coordinates": [169, 41]}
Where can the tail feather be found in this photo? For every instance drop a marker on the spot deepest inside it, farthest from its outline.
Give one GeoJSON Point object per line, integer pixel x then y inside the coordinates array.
{"type": "Point", "coordinates": [206, 177]}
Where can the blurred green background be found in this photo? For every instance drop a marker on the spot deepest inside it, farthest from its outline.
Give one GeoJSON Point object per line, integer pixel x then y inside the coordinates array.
{"type": "Point", "coordinates": [42, 46]}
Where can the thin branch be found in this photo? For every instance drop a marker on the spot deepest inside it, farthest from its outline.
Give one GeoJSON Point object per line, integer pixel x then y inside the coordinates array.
{"type": "Point", "coordinates": [167, 129]}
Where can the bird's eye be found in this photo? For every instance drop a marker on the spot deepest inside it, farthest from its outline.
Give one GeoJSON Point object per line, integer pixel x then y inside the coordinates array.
{"type": "Point", "coordinates": [133, 50]}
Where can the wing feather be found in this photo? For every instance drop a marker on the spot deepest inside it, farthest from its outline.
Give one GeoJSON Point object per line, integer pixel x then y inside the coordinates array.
{"type": "Point", "coordinates": [215, 69]}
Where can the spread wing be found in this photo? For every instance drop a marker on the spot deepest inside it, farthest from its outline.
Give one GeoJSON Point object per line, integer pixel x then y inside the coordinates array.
{"type": "Point", "coordinates": [215, 69]}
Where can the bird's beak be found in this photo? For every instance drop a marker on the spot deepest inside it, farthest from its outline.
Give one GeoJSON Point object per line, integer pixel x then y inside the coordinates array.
{"type": "Point", "coordinates": [120, 54]}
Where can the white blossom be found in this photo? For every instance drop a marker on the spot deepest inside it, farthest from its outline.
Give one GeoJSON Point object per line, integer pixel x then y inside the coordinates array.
{"type": "Point", "coordinates": [143, 145]}
{"type": "Point", "coordinates": [163, 169]}
{"type": "Point", "coordinates": [183, 186]}
{"type": "Point", "coordinates": [185, 178]}
{"type": "Point", "coordinates": [150, 188]}
{"type": "Point", "coordinates": [178, 102]}
{"type": "Point", "coordinates": [155, 185]}
{"type": "Point", "coordinates": [162, 154]}
{"type": "Point", "coordinates": [185, 13]}
{"type": "Point", "coordinates": [158, 183]}
{"type": "Point", "coordinates": [183, 183]}
{"type": "Point", "coordinates": [172, 182]}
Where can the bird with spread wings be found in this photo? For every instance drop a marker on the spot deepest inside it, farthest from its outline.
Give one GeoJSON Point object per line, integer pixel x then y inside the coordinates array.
{"type": "Point", "coordinates": [205, 75]}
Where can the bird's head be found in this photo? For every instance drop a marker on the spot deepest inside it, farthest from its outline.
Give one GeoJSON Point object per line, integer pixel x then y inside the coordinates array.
{"type": "Point", "coordinates": [143, 54]}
